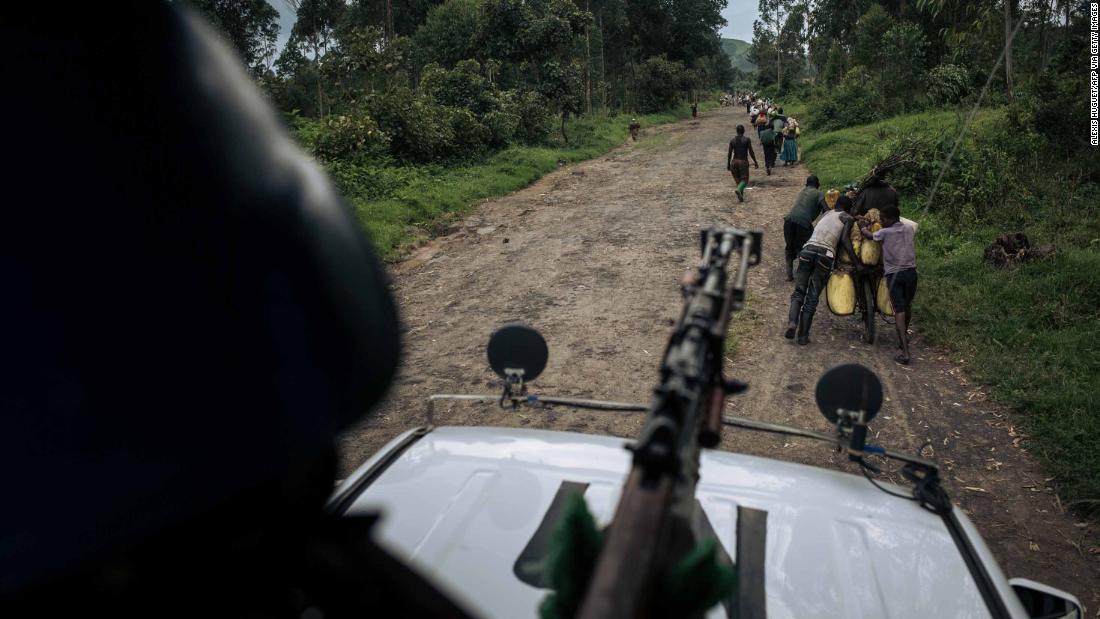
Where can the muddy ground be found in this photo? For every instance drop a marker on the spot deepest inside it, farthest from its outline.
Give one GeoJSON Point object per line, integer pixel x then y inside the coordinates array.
{"type": "Point", "coordinates": [592, 255]}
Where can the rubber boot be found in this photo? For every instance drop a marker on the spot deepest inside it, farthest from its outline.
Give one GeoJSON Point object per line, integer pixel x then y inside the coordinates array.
{"type": "Point", "coordinates": [792, 320]}
{"type": "Point", "coordinates": [804, 322]}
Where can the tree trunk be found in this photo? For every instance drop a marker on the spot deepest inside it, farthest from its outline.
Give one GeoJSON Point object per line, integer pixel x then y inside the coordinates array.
{"type": "Point", "coordinates": [587, 64]}
{"type": "Point", "coordinates": [603, 67]}
{"type": "Point", "coordinates": [317, 68]}
{"type": "Point", "coordinates": [778, 31]}
{"type": "Point", "coordinates": [388, 34]}
{"type": "Point", "coordinates": [563, 136]}
{"type": "Point", "coordinates": [1044, 17]}
{"type": "Point", "coordinates": [1008, 51]}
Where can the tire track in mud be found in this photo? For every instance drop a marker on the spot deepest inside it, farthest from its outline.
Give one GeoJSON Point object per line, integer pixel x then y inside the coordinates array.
{"type": "Point", "coordinates": [592, 256]}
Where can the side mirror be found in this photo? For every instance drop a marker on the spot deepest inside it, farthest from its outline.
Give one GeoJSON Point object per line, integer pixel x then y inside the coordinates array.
{"type": "Point", "coordinates": [850, 396]}
{"type": "Point", "coordinates": [517, 353]}
{"type": "Point", "coordinates": [850, 387]}
{"type": "Point", "coordinates": [1045, 602]}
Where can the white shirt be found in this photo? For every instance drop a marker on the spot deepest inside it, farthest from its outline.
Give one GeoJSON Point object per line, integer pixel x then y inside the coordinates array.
{"type": "Point", "coordinates": [827, 231]}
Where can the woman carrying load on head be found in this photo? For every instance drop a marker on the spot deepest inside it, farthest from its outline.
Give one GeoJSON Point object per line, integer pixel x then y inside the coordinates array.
{"type": "Point", "coordinates": [761, 121]}
{"type": "Point", "coordinates": [789, 154]}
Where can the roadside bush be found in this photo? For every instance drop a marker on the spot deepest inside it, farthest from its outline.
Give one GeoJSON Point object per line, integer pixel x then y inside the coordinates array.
{"type": "Point", "coordinates": [659, 83]}
{"type": "Point", "coordinates": [503, 125]}
{"type": "Point", "coordinates": [855, 101]}
{"type": "Point", "coordinates": [471, 137]}
{"type": "Point", "coordinates": [979, 186]}
{"type": "Point", "coordinates": [535, 120]}
{"type": "Point", "coordinates": [370, 180]}
{"type": "Point", "coordinates": [349, 137]}
{"type": "Point", "coordinates": [463, 86]}
{"type": "Point", "coordinates": [420, 130]}
{"type": "Point", "coordinates": [948, 84]}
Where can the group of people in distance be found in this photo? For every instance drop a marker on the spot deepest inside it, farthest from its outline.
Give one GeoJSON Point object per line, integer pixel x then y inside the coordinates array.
{"type": "Point", "coordinates": [816, 246]}
{"type": "Point", "coordinates": [815, 232]}
{"type": "Point", "coordinates": [778, 135]}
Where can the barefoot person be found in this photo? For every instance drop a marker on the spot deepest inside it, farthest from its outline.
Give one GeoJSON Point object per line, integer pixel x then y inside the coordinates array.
{"type": "Point", "coordinates": [737, 161]}
{"type": "Point", "coordinates": [899, 260]}
{"type": "Point", "coordinates": [831, 234]}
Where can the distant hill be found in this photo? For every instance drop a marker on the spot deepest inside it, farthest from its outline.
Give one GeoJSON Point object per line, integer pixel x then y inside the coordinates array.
{"type": "Point", "coordinates": [738, 51]}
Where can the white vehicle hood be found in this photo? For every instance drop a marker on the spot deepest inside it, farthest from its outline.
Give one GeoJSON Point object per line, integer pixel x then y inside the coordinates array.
{"type": "Point", "coordinates": [461, 504]}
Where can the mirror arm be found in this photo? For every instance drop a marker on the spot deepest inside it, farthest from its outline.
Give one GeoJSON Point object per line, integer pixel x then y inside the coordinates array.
{"type": "Point", "coordinates": [838, 441]}
{"type": "Point", "coordinates": [605, 405]}
{"type": "Point", "coordinates": [532, 399]}
{"type": "Point", "coordinates": [752, 424]}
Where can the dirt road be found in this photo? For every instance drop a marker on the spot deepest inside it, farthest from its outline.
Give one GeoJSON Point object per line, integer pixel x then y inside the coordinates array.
{"type": "Point", "coordinates": [592, 255]}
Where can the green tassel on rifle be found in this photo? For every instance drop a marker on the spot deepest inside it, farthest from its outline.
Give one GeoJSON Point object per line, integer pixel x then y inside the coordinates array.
{"type": "Point", "coordinates": [697, 583]}
{"type": "Point", "coordinates": [571, 560]}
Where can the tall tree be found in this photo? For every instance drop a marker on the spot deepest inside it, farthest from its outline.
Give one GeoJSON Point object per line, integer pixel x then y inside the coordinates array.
{"type": "Point", "coordinates": [773, 16]}
{"type": "Point", "coordinates": [902, 63]}
{"type": "Point", "coordinates": [252, 26]}
{"type": "Point", "coordinates": [831, 24]}
{"type": "Point", "coordinates": [315, 30]}
{"type": "Point", "coordinates": [449, 34]}
{"type": "Point", "coordinates": [867, 38]}
{"type": "Point", "coordinates": [1008, 50]}
{"type": "Point", "coordinates": [792, 42]}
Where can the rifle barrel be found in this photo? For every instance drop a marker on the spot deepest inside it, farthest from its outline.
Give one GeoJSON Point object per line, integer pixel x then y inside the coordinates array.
{"type": "Point", "coordinates": [686, 414]}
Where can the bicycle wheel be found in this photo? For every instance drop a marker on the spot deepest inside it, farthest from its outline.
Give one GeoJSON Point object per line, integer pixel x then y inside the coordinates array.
{"type": "Point", "coordinates": [867, 293]}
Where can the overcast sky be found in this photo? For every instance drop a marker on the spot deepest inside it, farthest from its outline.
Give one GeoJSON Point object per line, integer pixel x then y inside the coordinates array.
{"type": "Point", "coordinates": [739, 15]}
{"type": "Point", "coordinates": [286, 21]}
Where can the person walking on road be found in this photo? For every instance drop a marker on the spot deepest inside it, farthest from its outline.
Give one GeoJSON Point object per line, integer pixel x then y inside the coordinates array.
{"type": "Point", "coordinates": [798, 225]}
{"type": "Point", "coordinates": [877, 193]}
{"type": "Point", "coordinates": [778, 122]}
{"type": "Point", "coordinates": [815, 262]}
{"type": "Point", "coordinates": [634, 128]}
{"type": "Point", "coordinates": [761, 121]}
{"type": "Point", "coordinates": [790, 144]}
{"type": "Point", "coordinates": [767, 141]}
{"type": "Point", "coordinates": [899, 261]}
{"type": "Point", "coordinates": [737, 161]}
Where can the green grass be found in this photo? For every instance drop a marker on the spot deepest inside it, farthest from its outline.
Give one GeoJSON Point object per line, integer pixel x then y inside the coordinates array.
{"type": "Point", "coordinates": [428, 197]}
{"type": "Point", "coordinates": [1031, 333]}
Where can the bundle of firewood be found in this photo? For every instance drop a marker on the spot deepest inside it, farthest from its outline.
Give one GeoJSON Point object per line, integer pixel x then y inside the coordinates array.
{"type": "Point", "coordinates": [904, 155]}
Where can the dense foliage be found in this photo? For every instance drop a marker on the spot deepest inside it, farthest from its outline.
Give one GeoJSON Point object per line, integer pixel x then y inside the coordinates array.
{"type": "Point", "coordinates": [456, 79]}
{"type": "Point", "coordinates": [1040, 321]}
{"type": "Point", "coordinates": [863, 60]}
{"type": "Point", "coordinates": [250, 25]}
{"type": "Point", "coordinates": [1000, 146]}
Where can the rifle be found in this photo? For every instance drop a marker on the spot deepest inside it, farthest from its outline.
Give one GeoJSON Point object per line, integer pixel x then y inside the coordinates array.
{"type": "Point", "coordinates": [652, 520]}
